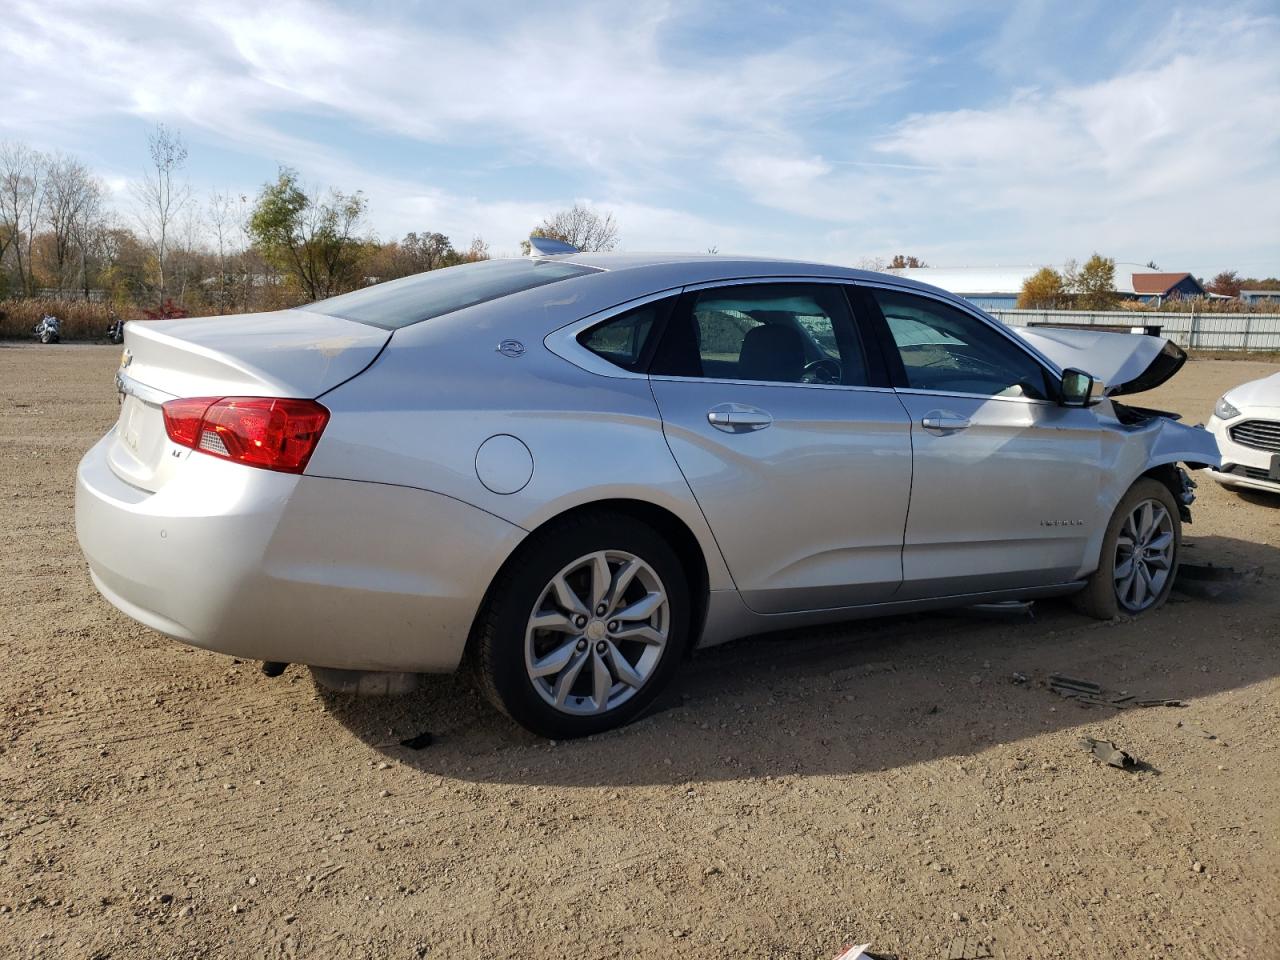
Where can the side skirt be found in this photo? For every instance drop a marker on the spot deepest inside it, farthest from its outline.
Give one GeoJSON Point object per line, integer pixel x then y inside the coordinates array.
{"type": "Point", "coordinates": [728, 618]}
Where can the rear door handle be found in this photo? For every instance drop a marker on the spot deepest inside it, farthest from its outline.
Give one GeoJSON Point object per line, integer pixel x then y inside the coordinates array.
{"type": "Point", "coordinates": [944, 422]}
{"type": "Point", "coordinates": [738, 417]}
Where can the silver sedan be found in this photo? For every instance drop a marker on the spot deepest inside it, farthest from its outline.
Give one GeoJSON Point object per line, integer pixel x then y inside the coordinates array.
{"type": "Point", "coordinates": [570, 470]}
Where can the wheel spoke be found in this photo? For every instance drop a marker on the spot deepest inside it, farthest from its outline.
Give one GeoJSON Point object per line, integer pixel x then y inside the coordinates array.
{"type": "Point", "coordinates": [601, 578]}
{"type": "Point", "coordinates": [1140, 586]}
{"type": "Point", "coordinates": [567, 599]}
{"type": "Point", "coordinates": [1160, 542]}
{"type": "Point", "coordinates": [621, 668]}
{"type": "Point", "coordinates": [1124, 570]}
{"type": "Point", "coordinates": [642, 633]}
{"type": "Point", "coordinates": [564, 682]}
{"type": "Point", "coordinates": [622, 578]}
{"type": "Point", "coordinates": [601, 681]}
{"type": "Point", "coordinates": [555, 661]}
{"type": "Point", "coordinates": [552, 620]}
{"type": "Point", "coordinates": [642, 609]}
{"type": "Point", "coordinates": [1145, 522]}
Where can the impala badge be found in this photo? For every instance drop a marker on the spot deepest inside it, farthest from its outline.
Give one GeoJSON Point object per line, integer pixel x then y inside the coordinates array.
{"type": "Point", "coordinates": [511, 348]}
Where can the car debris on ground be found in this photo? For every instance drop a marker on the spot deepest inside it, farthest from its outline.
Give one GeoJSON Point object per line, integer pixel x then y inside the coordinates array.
{"type": "Point", "coordinates": [1212, 581]}
{"type": "Point", "coordinates": [1108, 753]}
{"type": "Point", "coordinates": [1088, 693]}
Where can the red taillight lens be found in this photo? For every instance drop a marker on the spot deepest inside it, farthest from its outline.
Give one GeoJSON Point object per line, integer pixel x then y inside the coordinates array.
{"type": "Point", "coordinates": [182, 419]}
{"type": "Point", "coordinates": [267, 432]}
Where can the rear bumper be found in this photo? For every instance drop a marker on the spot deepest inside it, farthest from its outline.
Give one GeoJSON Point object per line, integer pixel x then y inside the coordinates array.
{"type": "Point", "coordinates": [1243, 467]}
{"type": "Point", "coordinates": [270, 566]}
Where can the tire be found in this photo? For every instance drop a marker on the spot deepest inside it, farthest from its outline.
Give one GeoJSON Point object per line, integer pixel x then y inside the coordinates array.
{"type": "Point", "coordinates": [549, 680]}
{"type": "Point", "coordinates": [1106, 596]}
{"type": "Point", "coordinates": [46, 338]}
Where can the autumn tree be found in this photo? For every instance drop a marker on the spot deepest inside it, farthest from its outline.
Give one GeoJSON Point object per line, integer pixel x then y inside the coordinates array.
{"type": "Point", "coordinates": [162, 197]}
{"type": "Point", "coordinates": [22, 197]}
{"type": "Point", "coordinates": [580, 226]}
{"type": "Point", "coordinates": [901, 262]}
{"type": "Point", "coordinates": [73, 198]}
{"type": "Point", "coordinates": [1093, 284]}
{"type": "Point", "coordinates": [1043, 290]}
{"type": "Point", "coordinates": [1227, 283]}
{"type": "Point", "coordinates": [309, 236]}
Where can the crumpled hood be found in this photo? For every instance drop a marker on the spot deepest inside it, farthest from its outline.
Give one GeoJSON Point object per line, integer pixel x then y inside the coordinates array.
{"type": "Point", "coordinates": [1124, 362]}
{"type": "Point", "coordinates": [1257, 393]}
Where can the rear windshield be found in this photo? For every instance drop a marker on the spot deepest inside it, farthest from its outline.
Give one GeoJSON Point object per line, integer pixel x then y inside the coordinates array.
{"type": "Point", "coordinates": [398, 303]}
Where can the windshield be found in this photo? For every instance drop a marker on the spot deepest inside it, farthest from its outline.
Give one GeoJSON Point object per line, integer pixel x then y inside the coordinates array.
{"type": "Point", "coordinates": [398, 303]}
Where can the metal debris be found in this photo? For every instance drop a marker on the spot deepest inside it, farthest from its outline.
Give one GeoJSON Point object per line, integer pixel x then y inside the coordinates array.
{"type": "Point", "coordinates": [1108, 753]}
{"type": "Point", "coordinates": [968, 947]}
{"type": "Point", "coordinates": [1212, 582]}
{"type": "Point", "coordinates": [1088, 693]}
{"type": "Point", "coordinates": [418, 742]}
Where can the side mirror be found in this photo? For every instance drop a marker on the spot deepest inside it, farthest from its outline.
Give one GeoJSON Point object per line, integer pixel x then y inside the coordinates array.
{"type": "Point", "coordinates": [1080, 389]}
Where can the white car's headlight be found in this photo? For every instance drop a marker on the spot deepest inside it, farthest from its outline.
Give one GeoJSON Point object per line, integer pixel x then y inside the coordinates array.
{"type": "Point", "coordinates": [1224, 410]}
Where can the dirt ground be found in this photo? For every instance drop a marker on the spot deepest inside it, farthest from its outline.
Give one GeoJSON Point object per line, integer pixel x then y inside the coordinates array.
{"type": "Point", "coordinates": [882, 782]}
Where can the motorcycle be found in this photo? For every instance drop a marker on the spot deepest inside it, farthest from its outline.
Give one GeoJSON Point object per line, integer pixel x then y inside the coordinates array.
{"type": "Point", "coordinates": [115, 332]}
{"type": "Point", "coordinates": [49, 330]}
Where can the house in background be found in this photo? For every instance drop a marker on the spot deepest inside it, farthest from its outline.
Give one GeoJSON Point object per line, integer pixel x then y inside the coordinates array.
{"type": "Point", "coordinates": [1260, 296]}
{"type": "Point", "coordinates": [997, 288]}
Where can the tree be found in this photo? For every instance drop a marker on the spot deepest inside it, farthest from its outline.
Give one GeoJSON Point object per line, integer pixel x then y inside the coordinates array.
{"type": "Point", "coordinates": [428, 251]}
{"type": "Point", "coordinates": [900, 262]}
{"type": "Point", "coordinates": [308, 236]}
{"type": "Point", "coordinates": [161, 197]}
{"type": "Point", "coordinates": [1043, 290]}
{"type": "Point", "coordinates": [73, 202]}
{"type": "Point", "coordinates": [587, 230]}
{"type": "Point", "coordinates": [22, 196]}
{"type": "Point", "coordinates": [1094, 284]}
{"type": "Point", "coordinates": [1227, 283]}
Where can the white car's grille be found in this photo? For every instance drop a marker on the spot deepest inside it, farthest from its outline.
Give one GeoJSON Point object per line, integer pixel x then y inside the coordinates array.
{"type": "Point", "coordinates": [1259, 434]}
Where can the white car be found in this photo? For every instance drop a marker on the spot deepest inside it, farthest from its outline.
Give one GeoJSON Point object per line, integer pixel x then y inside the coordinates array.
{"type": "Point", "coordinates": [1246, 422]}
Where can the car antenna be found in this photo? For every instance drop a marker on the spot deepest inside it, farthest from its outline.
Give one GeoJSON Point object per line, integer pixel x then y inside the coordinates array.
{"type": "Point", "coordinates": [549, 247]}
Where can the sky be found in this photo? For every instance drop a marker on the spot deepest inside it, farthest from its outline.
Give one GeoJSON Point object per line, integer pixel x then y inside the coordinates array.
{"type": "Point", "coordinates": [963, 133]}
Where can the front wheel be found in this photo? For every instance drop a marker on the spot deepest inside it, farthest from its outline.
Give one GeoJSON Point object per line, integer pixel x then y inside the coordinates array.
{"type": "Point", "coordinates": [584, 627]}
{"type": "Point", "coordinates": [1140, 555]}
{"type": "Point", "coordinates": [46, 338]}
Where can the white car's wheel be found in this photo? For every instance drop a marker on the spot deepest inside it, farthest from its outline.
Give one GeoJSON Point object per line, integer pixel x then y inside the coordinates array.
{"type": "Point", "coordinates": [584, 627]}
{"type": "Point", "coordinates": [1140, 554]}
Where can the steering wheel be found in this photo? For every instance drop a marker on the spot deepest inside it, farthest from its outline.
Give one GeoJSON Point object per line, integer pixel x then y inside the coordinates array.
{"type": "Point", "coordinates": [824, 370]}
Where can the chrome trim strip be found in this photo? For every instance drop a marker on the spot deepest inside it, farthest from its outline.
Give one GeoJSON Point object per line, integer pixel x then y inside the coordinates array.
{"type": "Point", "coordinates": [126, 384]}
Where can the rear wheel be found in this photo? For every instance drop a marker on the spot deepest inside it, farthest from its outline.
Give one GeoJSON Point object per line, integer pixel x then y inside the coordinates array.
{"type": "Point", "coordinates": [584, 628]}
{"type": "Point", "coordinates": [1140, 554]}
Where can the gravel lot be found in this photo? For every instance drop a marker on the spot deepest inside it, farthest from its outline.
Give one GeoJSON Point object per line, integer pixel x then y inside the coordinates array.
{"type": "Point", "coordinates": [795, 793]}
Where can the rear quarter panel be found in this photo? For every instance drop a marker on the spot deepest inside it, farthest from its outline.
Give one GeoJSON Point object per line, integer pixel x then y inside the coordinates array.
{"type": "Point", "coordinates": [419, 415]}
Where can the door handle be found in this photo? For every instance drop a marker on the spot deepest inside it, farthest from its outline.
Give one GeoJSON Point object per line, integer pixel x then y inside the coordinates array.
{"type": "Point", "coordinates": [738, 418]}
{"type": "Point", "coordinates": [944, 422]}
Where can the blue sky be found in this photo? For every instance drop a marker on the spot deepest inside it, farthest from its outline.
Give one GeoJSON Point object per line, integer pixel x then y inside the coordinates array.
{"type": "Point", "coordinates": [981, 133]}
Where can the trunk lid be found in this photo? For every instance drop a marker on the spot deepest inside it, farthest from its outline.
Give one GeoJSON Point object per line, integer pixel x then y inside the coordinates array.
{"type": "Point", "coordinates": [291, 353]}
{"type": "Point", "coordinates": [1124, 362]}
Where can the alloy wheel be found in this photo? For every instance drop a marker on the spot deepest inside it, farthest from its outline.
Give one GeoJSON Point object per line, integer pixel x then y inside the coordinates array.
{"type": "Point", "coordinates": [597, 632]}
{"type": "Point", "coordinates": [1144, 556]}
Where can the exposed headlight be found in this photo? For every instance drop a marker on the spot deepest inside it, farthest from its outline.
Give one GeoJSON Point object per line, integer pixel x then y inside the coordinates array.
{"type": "Point", "coordinates": [1224, 410]}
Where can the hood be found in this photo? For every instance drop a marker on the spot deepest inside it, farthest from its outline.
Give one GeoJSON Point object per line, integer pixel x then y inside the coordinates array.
{"type": "Point", "coordinates": [1256, 393]}
{"type": "Point", "coordinates": [1124, 362]}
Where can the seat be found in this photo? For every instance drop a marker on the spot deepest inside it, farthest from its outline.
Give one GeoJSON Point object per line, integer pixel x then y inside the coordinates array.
{"type": "Point", "coordinates": [772, 352]}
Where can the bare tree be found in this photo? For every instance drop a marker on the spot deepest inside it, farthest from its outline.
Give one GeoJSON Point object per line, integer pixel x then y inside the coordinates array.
{"type": "Point", "coordinates": [161, 197]}
{"type": "Point", "coordinates": [22, 190]}
{"type": "Point", "coordinates": [73, 197]}
{"type": "Point", "coordinates": [581, 226]}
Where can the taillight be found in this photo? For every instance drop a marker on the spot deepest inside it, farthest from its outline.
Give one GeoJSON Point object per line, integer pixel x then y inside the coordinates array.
{"type": "Point", "coordinates": [267, 432]}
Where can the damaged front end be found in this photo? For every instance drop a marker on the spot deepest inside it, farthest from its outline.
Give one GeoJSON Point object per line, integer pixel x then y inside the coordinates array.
{"type": "Point", "coordinates": [1127, 364]}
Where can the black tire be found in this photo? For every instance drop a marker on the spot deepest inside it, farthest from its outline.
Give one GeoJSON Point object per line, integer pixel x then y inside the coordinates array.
{"type": "Point", "coordinates": [1100, 598]}
{"type": "Point", "coordinates": [46, 338]}
{"type": "Point", "coordinates": [497, 647]}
